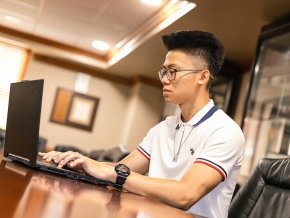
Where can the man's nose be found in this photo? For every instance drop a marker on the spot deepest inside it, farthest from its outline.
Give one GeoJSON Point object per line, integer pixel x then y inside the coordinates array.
{"type": "Point", "coordinates": [164, 80]}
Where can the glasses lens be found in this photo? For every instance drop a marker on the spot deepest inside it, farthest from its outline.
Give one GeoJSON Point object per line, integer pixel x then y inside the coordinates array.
{"type": "Point", "coordinates": [161, 73]}
{"type": "Point", "coordinates": [171, 74]}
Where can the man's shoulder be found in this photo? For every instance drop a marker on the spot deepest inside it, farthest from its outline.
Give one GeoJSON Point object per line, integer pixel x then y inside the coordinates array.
{"type": "Point", "coordinates": [222, 119]}
{"type": "Point", "coordinates": [225, 126]}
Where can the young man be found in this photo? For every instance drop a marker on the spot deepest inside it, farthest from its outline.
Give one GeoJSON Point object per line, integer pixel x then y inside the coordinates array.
{"type": "Point", "coordinates": [192, 159]}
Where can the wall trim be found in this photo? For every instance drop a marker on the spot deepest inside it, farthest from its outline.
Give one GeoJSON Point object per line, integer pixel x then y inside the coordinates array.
{"type": "Point", "coordinates": [51, 43]}
{"type": "Point", "coordinates": [76, 66]}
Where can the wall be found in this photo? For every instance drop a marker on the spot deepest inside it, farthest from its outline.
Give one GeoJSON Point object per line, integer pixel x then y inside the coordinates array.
{"type": "Point", "coordinates": [145, 106]}
{"type": "Point", "coordinates": [115, 112]}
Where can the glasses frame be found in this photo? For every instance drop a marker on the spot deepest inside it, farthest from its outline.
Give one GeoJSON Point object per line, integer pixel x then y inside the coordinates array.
{"type": "Point", "coordinates": [166, 72]}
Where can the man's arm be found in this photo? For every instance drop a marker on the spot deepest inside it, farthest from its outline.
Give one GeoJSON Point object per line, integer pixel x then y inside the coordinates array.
{"type": "Point", "coordinates": [197, 182]}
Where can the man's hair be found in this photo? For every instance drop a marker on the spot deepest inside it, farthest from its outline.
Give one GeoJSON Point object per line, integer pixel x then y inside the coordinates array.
{"type": "Point", "coordinates": [197, 43]}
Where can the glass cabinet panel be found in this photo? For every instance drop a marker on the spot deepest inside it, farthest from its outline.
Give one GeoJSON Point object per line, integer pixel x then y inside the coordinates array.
{"type": "Point", "coordinates": [267, 116]}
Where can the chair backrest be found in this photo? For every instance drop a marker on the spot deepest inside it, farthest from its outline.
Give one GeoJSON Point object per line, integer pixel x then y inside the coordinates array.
{"type": "Point", "coordinates": [64, 148]}
{"type": "Point", "coordinates": [95, 154]}
{"type": "Point", "coordinates": [112, 155]}
{"type": "Point", "coordinates": [267, 192]}
{"type": "Point", "coordinates": [41, 143]}
{"type": "Point", "coordinates": [2, 137]}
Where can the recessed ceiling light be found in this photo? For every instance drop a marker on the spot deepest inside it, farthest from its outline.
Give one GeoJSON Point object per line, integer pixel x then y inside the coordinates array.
{"type": "Point", "coordinates": [12, 19]}
{"type": "Point", "coordinates": [100, 45]}
{"type": "Point", "coordinates": [152, 2]}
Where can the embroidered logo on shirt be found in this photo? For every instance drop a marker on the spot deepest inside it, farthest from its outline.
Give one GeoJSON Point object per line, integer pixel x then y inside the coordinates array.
{"type": "Point", "coordinates": [191, 151]}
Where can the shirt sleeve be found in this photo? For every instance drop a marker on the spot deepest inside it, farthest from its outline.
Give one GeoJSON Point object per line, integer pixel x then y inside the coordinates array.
{"type": "Point", "coordinates": [223, 150]}
{"type": "Point", "coordinates": [145, 146]}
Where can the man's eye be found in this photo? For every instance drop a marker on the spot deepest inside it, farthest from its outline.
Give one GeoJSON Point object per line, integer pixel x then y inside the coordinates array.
{"type": "Point", "coordinates": [164, 71]}
{"type": "Point", "coordinates": [171, 71]}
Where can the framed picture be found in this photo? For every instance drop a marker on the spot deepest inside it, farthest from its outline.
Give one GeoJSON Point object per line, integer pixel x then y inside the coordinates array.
{"type": "Point", "coordinates": [74, 109]}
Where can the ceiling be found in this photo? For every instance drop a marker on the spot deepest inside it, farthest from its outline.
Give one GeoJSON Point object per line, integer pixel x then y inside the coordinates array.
{"type": "Point", "coordinates": [75, 24]}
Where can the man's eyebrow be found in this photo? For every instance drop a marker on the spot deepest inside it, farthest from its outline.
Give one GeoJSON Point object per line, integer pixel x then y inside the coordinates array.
{"type": "Point", "coordinates": [169, 66]}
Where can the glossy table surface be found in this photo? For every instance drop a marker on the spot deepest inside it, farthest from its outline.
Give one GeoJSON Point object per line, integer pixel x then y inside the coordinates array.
{"type": "Point", "coordinates": [29, 193]}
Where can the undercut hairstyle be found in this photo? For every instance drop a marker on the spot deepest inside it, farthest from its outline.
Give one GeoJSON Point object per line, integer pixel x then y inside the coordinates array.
{"type": "Point", "coordinates": [197, 43]}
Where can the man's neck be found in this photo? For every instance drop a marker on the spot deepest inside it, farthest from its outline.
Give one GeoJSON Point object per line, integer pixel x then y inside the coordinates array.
{"type": "Point", "coordinates": [188, 110]}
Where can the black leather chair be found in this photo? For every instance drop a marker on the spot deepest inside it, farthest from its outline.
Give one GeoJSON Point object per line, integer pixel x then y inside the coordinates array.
{"type": "Point", "coordinates": [112, 155]}
{"type": "Point", "coordinates": [267, 192]}
{"type": "Point", "coordinates": [2, 137]}
{"type": "Point", "coordinates": [41, 144]}
{"type": "Point", "coordinates": [95, 154]}
{"type": "Point", "coordinates": [64, 148]}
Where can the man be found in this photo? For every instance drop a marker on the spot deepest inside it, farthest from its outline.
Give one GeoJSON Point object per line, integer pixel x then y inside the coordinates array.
{"type": "Point", "coordinates": [192, 159]}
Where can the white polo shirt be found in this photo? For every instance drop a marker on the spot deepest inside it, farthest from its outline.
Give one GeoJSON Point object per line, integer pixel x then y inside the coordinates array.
{"type": "Point", "coordinates": [215, 140]}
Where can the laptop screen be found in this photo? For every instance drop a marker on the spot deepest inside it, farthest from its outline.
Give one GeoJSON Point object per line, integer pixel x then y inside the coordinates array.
{"type": "Point", "coordinates": [22, 128]}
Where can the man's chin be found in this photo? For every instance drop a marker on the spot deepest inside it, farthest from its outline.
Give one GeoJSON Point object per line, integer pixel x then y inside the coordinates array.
{"type": "Point", "coordinates": [169, 101]}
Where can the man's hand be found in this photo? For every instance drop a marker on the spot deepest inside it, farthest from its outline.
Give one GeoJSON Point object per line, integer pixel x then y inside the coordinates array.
{"type": "Point", "coordinates": [78, 162]}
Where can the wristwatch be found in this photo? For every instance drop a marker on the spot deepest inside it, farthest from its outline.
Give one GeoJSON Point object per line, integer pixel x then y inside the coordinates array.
{"type": "Point", "coordinates": [122, 173]}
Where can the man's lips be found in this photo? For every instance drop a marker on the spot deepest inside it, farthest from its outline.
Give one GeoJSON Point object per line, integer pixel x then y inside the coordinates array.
{"type": "Point", "coordinates": [166, 90]}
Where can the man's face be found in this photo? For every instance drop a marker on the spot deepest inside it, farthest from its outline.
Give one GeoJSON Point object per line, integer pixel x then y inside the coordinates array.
{"type": "Point", "coordinates": [185, 86]}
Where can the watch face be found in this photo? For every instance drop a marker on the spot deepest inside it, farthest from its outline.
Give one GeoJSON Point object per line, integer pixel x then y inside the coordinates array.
{"type": "Point", "coordinates": [122, 168]}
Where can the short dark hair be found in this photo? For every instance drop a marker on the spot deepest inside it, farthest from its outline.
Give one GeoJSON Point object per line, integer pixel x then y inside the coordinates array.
{"type": "Point", "coordinates": [197, 43]}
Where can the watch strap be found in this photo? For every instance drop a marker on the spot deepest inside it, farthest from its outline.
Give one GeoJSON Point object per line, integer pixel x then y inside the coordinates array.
{"type": "Point", "coordinates": [120, 181]}
{"type": "Point", "coordinates": [122, 173]}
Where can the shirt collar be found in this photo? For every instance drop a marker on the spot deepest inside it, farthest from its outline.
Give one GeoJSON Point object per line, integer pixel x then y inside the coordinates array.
{"type": "Point", "coordinates": [198, 116]}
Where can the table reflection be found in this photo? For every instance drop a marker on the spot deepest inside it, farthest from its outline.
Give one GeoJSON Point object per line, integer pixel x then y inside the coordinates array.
{"type": "Point", "coordinates": [27, 193]}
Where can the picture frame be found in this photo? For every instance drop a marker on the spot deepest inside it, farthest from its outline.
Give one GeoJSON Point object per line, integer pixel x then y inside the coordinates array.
{"type": "Point", "coordinates": [74, 109]}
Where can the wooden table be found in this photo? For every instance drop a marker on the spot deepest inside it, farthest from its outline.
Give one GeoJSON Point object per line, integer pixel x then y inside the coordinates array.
{"type": "Point", "coordinates": [28, 193]}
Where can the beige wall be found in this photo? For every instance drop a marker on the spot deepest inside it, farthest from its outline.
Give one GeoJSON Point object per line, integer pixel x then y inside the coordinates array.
{"type": "Point", "coordinates": [145, 102]}
{"type": "Point", "coordinates": [116, 116]}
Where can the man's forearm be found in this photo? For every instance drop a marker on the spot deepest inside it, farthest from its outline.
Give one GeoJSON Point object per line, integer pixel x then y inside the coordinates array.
{"type": "Point", "coordinates": [169, 191]}
{"type": "Point", "coordinates": [181, 193]}
{"type": "Point", "coordinates": [109, 163]}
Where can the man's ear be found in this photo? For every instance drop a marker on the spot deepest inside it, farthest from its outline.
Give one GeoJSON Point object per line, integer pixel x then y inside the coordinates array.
{"type": "Point", "coordinates": [204, 77]}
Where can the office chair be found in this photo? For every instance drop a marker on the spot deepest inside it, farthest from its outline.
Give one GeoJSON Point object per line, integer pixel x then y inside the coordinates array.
{"type": "Point", "coordinates": [41, 144]}
{"type": "Point", "coordinates": [64, 148]}
{"type": "Point", "coordinates": [2, 137]}
{"type": "Point", "coordinates": [267, 192]}
{"type": "Point", "coordinates": [95, 154]}
{"type": "Point", "coordinates": [112, 155]}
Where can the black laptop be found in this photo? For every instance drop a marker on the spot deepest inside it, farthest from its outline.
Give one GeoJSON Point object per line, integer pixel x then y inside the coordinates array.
{"type": "Point", "coordinates": [22, 130]}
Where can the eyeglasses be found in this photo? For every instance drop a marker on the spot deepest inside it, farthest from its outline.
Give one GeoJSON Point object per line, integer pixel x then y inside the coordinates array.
{"type": "Point", "coordinates": [171, 73]}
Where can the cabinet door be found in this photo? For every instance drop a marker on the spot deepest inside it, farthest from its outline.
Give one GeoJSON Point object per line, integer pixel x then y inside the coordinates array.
{"type": "Point", "coordinates": [267, 117]}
